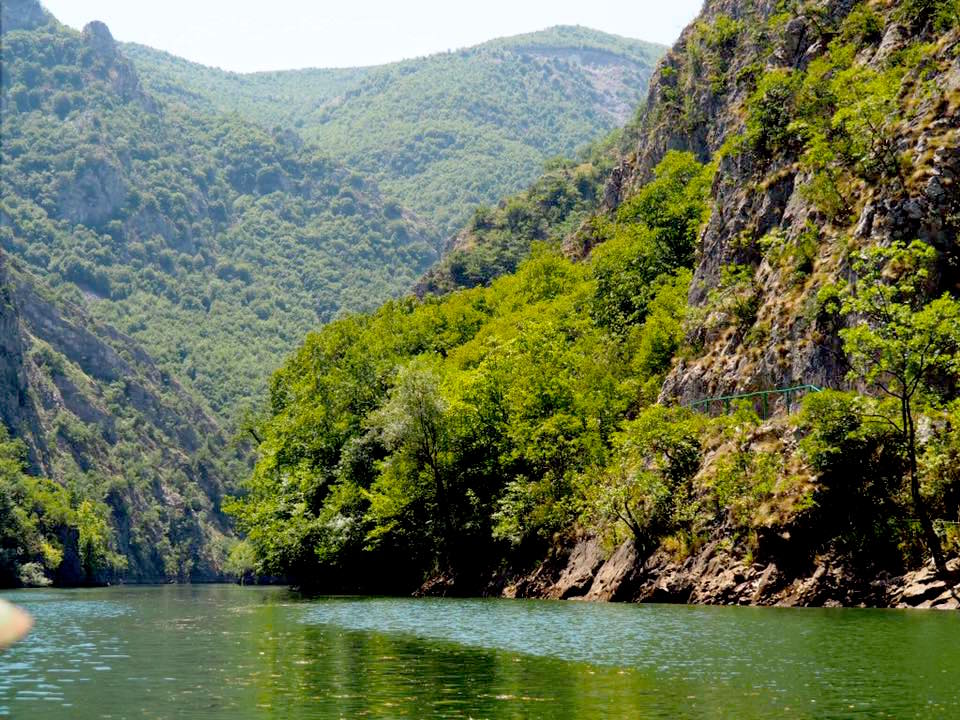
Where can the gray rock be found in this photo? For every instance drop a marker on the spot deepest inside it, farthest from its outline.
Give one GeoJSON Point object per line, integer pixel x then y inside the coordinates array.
{"type": "Point", "coordinates": [582, 566]}
{"type": "Point", "coordinates": [614, 579]}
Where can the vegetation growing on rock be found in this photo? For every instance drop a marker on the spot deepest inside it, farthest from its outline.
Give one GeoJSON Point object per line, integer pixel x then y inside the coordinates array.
{"type": "Point", "coordinates": [508, 419]}
{"type": "Point", "coordinates": [214, 243]}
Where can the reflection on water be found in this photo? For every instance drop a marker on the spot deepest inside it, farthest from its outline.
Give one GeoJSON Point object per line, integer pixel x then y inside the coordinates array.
{"type": "Point", "coordinates": [230, 652]}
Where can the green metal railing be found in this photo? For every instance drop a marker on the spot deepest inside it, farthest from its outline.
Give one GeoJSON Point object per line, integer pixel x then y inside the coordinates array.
{"type": "Point", "coordinates": [790, 393]}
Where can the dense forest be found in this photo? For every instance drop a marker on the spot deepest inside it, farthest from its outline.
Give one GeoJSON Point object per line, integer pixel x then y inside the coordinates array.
{"type": "Point", "coordinates": [163, 254]}
{"type": "Point", "coordinates": [110, 469]}
{"type": "Point", "coordinates": [445, 133]}
{"type": "Point", "coordinates": [431, 430]}
{"type": "Point", "coordinates": [786, 216]}
{"type": "Point", "coordinates": [213, 242]}
{"type": "Point", "coordinates": [581, 393]}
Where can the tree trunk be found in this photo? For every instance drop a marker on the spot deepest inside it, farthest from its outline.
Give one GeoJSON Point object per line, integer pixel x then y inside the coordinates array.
{"type": "Point", "coordinates": [920, 507]}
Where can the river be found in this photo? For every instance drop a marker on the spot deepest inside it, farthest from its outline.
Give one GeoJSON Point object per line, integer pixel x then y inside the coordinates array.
{"type": "Point", "coordinates": [222, 651]}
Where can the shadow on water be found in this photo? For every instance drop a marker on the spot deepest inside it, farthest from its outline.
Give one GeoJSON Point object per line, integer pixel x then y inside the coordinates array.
{"type": "Point", "coordinates": [229, 652]}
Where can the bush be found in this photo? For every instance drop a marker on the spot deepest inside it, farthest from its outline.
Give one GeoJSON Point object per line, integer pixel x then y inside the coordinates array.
{"type": "Point", "coordinates": [859, 462]}
{"type": "Point", "coordinates": [770, 112]}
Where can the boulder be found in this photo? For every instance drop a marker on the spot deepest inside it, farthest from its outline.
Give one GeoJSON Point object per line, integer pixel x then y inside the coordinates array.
{"type": "Point", "coordinates": [615, 578]}
{"type": "Point", "coordinates": [582, 566]}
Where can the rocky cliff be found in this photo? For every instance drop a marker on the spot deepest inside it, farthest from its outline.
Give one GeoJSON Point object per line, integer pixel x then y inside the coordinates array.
{"type": "Point", "coordinates": [832, 129]}
{"type": "Point", "coordinates": [769, 198]}
{"type": "Point", "coordinates": [99, 418]}
{"type": "Point", "coordinates": [715, 576]}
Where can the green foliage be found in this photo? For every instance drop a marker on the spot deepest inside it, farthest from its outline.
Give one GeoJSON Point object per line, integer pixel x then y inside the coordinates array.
{"type": "Point", "coordinates": [863, 25]}
{"type": "Point", "coordinates": [445, 133]}
{"type": "Point", "coordinates": [742, 479]}
{"type": "Point", "coordinates": [735, 301]}
{"type": "Point", "coordinates": [770, 112]}
{"type": "Point", "coordinates": [497, 239]}
{"type": "Point", "coordinates": [661, 336]}
{"type": "Point", "coordinates": [859, 458]}
{"type": "Point", "coordinates": [241, 560]}
{"type": "Point", "coordinates": [647, 485]}
{"type": "Point", "coordinates": [41, 521]}
{"type": "Point", "coordinates": [942, 15]}
{"type": "Point", "coordinates": [722, 33]}
{"type": "Point", "coordinates": [437, 435]}
{"type": "Point", "coordinates": [907, 346]}
{"type": "Point", "coordinates": [655, 233]}
{"type": "Point", "coordinates": [841, 115]}
{"type": "Point", "coordinates": [940, 466]}
{"type": "Point", "coordinates": [796, 255]}
{"type": "Point", "coordinates": [214, 243]}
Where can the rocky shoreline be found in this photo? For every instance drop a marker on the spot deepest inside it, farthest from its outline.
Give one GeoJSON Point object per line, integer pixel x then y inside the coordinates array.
{"type": "Point", "coordinates": [713, 576]}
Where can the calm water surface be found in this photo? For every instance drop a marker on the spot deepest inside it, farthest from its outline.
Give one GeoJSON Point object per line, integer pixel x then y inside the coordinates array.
{"type": "Point", "coordinates": [239, 653]}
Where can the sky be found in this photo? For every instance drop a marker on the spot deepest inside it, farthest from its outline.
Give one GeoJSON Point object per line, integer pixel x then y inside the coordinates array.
{"type": "Point", "coordinates": [252, 35]}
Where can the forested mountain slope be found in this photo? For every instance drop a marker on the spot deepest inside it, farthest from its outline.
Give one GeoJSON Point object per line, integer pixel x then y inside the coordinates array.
{"type": "Point", "coordinates": [133, 469]}
{"type": "Point", "coordinates": [786, 215]}
{"type": "Point", "coordinates": [558, 209]}
{"type": "Point", "coordinates": [443, 133]}
{"type": "Point", "coordinates": [213, 242]}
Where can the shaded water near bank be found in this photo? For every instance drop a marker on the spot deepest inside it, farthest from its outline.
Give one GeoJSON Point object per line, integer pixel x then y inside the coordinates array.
{"type": "Point", "coordinates": [232, 652]}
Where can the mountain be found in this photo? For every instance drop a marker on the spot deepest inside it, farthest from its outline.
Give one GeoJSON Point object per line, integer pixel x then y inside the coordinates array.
{"type": "Point", "coordinates": [556, 209]}
{"type": "Point", "coordinates": [139, 468]}
{"type": "Point", "coordinates": [444, 133]}
{"type": "Point", "coordinates": [725, 368]}
{"type": "Point", "coordinates": [156, 264]}
{"type": "Point", "coordinates": [213, 242]}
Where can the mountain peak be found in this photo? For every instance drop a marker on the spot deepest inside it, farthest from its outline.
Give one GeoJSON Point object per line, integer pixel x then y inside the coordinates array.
{"type": "Point", "coordinates": [98, 36]}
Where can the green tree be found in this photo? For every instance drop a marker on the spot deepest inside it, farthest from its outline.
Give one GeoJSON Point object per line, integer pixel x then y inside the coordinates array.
{"type": "Point", "coordinates": [905, 345]}
{"type": "Point", "coordinates": [647, 487]}
{"type": "Point", "coordinates": [414, 427]}
{"type": "Point", "coordinates": [655, 233]}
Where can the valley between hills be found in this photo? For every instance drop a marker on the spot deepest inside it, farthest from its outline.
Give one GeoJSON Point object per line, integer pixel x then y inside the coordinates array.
{"type": "Point", "coordinates": [563, 315]}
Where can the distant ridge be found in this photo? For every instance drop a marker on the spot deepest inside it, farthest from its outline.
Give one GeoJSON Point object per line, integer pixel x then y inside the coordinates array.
{"type": "Point", "coordinates": [443, 133]}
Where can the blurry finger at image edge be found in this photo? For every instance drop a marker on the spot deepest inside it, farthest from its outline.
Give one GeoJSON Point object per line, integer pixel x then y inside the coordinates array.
{"type": "Point", "coordinates": [14, 624]}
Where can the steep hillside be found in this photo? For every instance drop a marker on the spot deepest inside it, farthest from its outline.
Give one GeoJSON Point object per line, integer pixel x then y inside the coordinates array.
{"type": "Point", "coordinates": [786, 216]}
{"type": "Point", "coordinates": [139, 468]}
{"type": "Point", "coordinates": [212, 242]}
{"type": "Point", "coordinates": [835, 125]}
{"type": "Point", "coordinates": [444, 133]}
{"type": "Point", "coordinates": [558, 208]}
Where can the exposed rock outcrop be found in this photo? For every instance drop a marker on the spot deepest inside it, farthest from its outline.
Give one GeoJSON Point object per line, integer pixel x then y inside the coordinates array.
{"type": "Point", "coordinates": [62, 377]}
{"type": "Point", "coordinates": [109, 64]}
{"type": "Point", "coordinates": [577, 576]}
{"type": "Point", "coordinates": [616, 578]}
{"type": "Point", "coordinates": [713, 576]}
{"type": "Point", "coordinates": [697, 105]}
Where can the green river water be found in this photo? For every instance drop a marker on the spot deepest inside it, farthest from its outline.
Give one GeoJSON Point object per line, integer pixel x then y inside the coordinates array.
{"type": "Point", "coordinates": [223, 651]}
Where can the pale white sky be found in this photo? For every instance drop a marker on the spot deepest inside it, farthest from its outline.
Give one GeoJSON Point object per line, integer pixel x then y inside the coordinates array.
{"type": "Point", "coordinates": [249, 35]}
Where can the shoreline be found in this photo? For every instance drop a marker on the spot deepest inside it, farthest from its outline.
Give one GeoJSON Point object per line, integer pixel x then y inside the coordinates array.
{"type": "Point", "coordinates": [710, 577]}
{"type": "Point", "coordinates": [713, 576]}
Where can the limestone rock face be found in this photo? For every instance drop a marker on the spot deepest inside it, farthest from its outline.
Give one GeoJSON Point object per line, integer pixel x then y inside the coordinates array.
{"type": "Point", "coordinates": [59, 368]}
{"type": "Point", "coordinates": [110, 65]}
{"type": "Point", "coordinates": [698, 108]}
{"type": "Point", "coordinates": [713, 576]}
{"type": "Point", "coordinates": [616, 577]}
{"type": "Point", "coordinates": [94, 194]}
{"type": "Point", "coordinates": [577, 577]}
{"type": "Point", "coordinates": [700, 101]}
{"type": "Point", "coordinates": [923, 589]}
